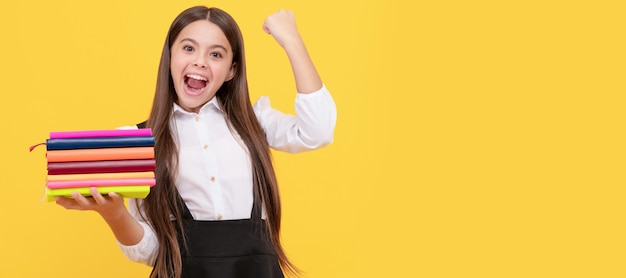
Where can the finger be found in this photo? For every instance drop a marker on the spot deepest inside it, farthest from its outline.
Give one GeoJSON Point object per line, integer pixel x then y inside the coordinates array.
{"type": "Point", "coordinates": [67, 203]}
{"type": "Point", "coordinates": [81, 200]}
{"type": "Point", "coordinates": [114, 196]}
{"type": "Point", "coordinates": [97, 196]}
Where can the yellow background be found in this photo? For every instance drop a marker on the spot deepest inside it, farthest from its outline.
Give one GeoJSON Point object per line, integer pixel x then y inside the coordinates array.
{"type": "Point", "coordinates": [474, 138]}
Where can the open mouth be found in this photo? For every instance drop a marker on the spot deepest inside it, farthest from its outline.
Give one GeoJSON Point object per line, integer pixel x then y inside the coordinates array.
{"type": "Point", "coordinates": [195, 83]}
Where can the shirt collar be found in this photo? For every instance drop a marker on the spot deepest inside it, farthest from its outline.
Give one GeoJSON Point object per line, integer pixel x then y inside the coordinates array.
{"type": "Point", "coordinates": [213, 103]}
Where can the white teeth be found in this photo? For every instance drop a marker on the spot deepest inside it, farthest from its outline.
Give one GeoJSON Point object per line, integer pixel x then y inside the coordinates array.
{"type": "Point", "coordinates": [196, 77]}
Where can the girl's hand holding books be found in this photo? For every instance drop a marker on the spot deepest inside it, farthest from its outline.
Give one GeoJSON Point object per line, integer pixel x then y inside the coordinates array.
{"type": "Point", "coordinates": [109, 206]}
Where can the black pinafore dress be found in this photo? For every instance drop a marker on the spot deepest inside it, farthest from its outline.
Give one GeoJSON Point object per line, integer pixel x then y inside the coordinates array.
{"type": "Point", "coordinates": [228, 248]}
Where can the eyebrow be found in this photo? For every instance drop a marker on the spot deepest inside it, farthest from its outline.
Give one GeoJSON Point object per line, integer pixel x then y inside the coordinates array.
{"type": "Point", "coordinates": [210, 47]}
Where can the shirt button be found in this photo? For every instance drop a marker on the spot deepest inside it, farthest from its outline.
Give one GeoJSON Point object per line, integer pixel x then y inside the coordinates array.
{"type": "Point", "coordinates": [212, 178]}
{"type": "Point", "coordinates": [205, 147]}
{"type": "Point", "coordinates": [197, 118]}
{"type": "Point", "coordinates": [219, 217]}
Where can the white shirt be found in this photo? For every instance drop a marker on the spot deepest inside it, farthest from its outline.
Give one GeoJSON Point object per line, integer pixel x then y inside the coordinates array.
{"type": "Point", "coordinates": [214, 171]}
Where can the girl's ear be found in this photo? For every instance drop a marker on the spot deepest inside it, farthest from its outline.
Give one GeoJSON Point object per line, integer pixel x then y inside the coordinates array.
{"type": "Point", "coordinates": [231, 72]}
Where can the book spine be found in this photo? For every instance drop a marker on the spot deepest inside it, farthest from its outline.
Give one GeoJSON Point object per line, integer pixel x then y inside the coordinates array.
{"type": "Point", "coordinates": [110, 166]}
{"type": "Point", "coordinates": [96, 143]}
{"type": "Point", "coordinates": [133, 191]}
{"type": "Point", "coordinates": [102, 176]}
{"type": "Point", "coordinates": [101, 133]}
{"type": "Point", "coordinates": [100, 154]}
{"type": "Point", "coordinates": [99, 183]}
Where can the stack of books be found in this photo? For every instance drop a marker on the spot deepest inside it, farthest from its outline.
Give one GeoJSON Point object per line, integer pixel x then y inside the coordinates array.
{"type": "Point", "coordinates": [120, 161]}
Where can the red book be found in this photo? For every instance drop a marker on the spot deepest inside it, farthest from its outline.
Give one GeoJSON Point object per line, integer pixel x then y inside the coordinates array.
{"type": "Point", "coordinates": [108, 166]}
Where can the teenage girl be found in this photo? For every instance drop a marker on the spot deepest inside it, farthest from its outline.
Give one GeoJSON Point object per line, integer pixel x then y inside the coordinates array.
{"type": "Point", "coordinates": [215, 211]}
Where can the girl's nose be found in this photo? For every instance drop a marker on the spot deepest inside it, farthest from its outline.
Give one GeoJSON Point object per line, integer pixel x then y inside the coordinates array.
{"type": "Point", "coordinates": [200, 64]}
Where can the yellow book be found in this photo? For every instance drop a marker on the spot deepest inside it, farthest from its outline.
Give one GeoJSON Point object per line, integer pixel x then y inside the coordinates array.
{"type": "Point", "coordinates": [130, 191]}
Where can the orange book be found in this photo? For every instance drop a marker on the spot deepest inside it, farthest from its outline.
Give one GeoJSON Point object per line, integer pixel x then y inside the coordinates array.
{"type": "Point", "coordinates": [100, 154]}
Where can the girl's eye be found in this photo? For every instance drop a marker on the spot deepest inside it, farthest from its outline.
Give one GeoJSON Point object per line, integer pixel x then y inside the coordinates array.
{"type": "Point", "coordinates": [187, 48]}
{"type": "Point", "coordinates": [216, 54]}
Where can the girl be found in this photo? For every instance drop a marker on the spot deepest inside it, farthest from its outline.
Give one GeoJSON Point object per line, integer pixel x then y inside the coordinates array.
{"type": "Point", "coordinates": [215, 211]}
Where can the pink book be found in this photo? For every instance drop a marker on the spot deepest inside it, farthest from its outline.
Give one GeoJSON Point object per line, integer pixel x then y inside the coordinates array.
{"type": "Point", "coordinates": [101, 133]}
{"type": "Point", "coordinates": [98, 183]}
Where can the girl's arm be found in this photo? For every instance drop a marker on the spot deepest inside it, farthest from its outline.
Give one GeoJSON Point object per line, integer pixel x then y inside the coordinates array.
{"type": "Point", "coordinates": [314, 125]}
{"type": "Point", "coordinates": [282, 26]}
{"type": "Point", "coordinates": [112, 209]}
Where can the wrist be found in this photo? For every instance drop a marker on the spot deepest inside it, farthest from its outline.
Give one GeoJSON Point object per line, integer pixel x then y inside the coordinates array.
{"type": "Point", "coordinates": [114, 215]}
{"type": "Point", "coordinates": [293, 44]}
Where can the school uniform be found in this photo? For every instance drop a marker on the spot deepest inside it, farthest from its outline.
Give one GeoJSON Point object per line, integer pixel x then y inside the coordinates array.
{"type": "Point", "coordinates": [224, 228]}
{"type": "Point", "coordinates": [229, 248]}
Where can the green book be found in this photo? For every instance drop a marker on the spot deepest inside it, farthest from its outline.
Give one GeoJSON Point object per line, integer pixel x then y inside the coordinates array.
{"type": "Point", "coordinates": [129, 191]}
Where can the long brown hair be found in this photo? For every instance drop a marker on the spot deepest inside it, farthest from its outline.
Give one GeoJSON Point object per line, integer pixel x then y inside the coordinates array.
{"type": "Point", "coordinates": [233, 96]}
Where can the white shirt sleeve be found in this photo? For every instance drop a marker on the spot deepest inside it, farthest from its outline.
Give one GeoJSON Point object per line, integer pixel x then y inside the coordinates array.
{"type": "Point", "coordinates": [311, 128]}
{"type": "Point", "coordinates": [144, 251]}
